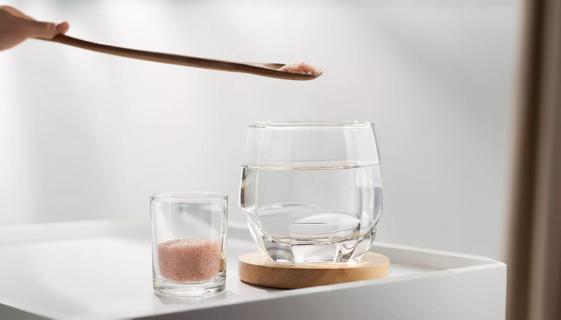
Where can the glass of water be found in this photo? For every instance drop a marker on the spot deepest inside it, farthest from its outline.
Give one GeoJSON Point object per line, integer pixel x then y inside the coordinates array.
{"type": "Point", "coordinates": [189, 243]}
{"type": "Point", "coordinates": [312, 191]}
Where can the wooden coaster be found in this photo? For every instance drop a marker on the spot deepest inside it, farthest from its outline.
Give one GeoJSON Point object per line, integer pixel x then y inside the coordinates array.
{"type": "Point", "coordinates": [258, 270]}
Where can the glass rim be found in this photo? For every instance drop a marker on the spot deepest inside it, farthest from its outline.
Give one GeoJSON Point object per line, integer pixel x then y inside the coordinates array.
{"type": "Point", "coordinates": [189, 196]}
{"type": "Point", "coordinates": [311, 124]}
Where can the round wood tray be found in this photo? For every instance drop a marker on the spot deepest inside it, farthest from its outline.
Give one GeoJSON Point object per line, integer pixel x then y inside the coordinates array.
{"type": "Point", "coordinates": [258, 270]}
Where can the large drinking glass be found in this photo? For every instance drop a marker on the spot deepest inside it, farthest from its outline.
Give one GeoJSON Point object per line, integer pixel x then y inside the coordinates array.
{"type": "Point", "coordinates": [312, 191]}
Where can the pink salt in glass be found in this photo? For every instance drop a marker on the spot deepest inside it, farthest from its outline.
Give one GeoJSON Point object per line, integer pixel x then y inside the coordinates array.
{"type": "Point", "coordinates": [188, 243]}
{"type": "Point", "coordinates": [186, 260]}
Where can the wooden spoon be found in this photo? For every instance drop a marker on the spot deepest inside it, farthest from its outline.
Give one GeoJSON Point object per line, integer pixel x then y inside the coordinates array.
{"type": "Point", "coordinates": [261, 69]}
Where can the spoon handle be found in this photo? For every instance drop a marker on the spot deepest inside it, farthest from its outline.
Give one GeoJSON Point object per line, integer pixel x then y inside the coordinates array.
{"type": "Point", "coordinates": [188, 61]}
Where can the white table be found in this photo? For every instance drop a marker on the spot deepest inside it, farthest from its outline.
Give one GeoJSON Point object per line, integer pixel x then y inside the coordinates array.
{"type": "Point", "coordinates": [102, 270]}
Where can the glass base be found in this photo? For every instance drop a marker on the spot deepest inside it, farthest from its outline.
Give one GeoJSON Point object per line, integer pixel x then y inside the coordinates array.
{"type": "Point", "coordinates": [166, 288]}
{"type": "Point", "coordinates": [349, 249]}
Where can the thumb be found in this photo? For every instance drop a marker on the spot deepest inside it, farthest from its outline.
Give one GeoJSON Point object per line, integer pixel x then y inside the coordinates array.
{"type": "Point", "coordinates": [45, 30]}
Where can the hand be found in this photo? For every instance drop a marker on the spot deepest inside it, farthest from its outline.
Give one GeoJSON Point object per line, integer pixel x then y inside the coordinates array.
{"type": "Point", "coordinates": [16, 27]}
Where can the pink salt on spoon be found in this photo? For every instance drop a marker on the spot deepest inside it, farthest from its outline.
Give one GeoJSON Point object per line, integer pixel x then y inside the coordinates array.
{"type": "Point", "coordinates": [302, 68]}
{"type": "Point", "coordinates": [186, 260]}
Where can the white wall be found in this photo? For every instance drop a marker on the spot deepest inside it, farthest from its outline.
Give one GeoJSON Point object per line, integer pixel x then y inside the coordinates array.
{"type": "Point", "coordinates": [87, 136]}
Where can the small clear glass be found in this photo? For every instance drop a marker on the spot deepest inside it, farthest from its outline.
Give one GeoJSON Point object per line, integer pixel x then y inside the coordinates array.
{"type": "Point", "coordinates": [189, 243]}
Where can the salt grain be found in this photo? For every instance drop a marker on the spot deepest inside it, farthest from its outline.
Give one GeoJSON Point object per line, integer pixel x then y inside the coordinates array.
{"type": "Point", "coordinates": [185, 260]}
{"type": "Point", "coordinates": [301, 68]}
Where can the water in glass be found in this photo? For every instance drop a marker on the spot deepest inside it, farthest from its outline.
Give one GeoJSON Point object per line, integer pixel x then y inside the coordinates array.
{"type": "Point", "coordinates": [318, 211]}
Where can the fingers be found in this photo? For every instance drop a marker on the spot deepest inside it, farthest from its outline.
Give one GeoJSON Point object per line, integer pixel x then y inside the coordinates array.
{"type": "Point", "coordinates": [33, 28]}
{"type": "Point", "coordinates": [39, 29]}
{"type": "Point", "coordinates": [45, 30]}
{"type": "Point", "coordinates": [15, 12]}
{"type": "Point", "coordinates": [63, 27]}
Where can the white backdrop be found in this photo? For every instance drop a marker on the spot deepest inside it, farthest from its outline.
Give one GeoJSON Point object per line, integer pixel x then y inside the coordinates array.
{"type": "Point", "coordinates": [87, 136]}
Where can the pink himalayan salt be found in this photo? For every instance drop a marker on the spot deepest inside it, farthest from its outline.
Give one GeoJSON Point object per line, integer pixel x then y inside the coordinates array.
{"type": "Point", "coordinates": [301, 68]}
{"type": "Point", "coordinates": [189, 260]}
